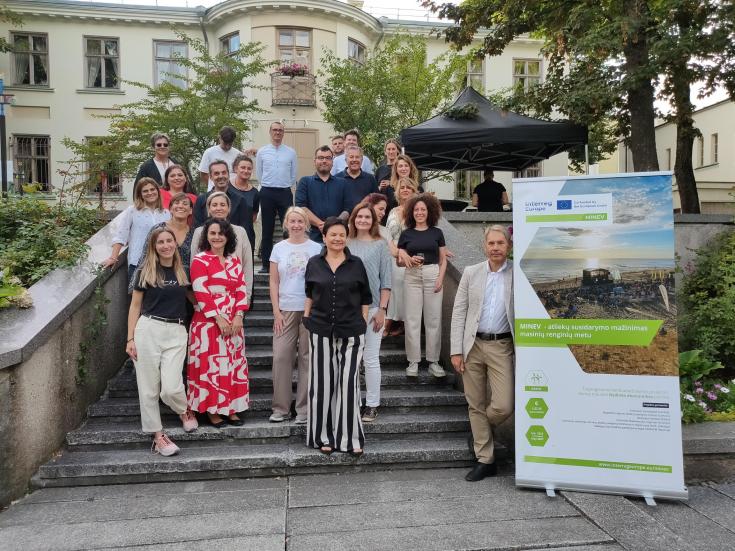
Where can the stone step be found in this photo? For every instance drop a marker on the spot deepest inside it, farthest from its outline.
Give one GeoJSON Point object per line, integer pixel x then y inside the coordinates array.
{"type": "Point", "coordinates": [264, 335]}
{"type": "Point", "coordinates": [257, 319]}
{"type": "Point", "coordinates": [392, 376]}
{"type": "Point", "coordinates": [259, 355]}
{"type": "Point", "coordinates": [97, 433]}
{"type": "Point", "coordinates": [400, 399]}
{"type": "Point", "coordinates": [115, 466]}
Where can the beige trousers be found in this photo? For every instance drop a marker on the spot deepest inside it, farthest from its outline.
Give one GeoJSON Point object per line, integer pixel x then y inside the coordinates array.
{"type": "Point", "coordinates": [488, 387]}
{"type": "Point", "coordinates": [419, 298]}
{"type": "Point", "coordinates": [161, 350]}
{"type": "Point", "coordinates": [286, 351]}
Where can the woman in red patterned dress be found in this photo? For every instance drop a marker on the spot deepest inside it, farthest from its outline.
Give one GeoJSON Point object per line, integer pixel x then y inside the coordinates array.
{"type": "Point", "coordinates": [218, 371]}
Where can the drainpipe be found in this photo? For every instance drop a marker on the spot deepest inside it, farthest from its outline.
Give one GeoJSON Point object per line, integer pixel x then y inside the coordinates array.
{"type": "Point", "coordinates": [204, 30]}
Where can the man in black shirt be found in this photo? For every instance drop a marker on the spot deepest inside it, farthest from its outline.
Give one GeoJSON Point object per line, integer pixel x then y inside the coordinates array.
{"type": "Point", "coordinates": [489, 196]}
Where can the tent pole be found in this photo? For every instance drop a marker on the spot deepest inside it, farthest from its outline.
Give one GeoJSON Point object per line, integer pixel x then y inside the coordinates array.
{"type": "Point", "coordinates": [587, 159]}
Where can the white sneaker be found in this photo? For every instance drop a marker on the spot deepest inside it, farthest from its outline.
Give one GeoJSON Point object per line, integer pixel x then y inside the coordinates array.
{"type": "Point", "coordinates": [436, 370]}
{"type": "Point", "coordinates": [277, 417]}
{"type": "Point", "coordinates": [412, 370]}
{"type": "Point", "coordinates": [300, 420]}
{"type": "Point", "coordinates": [189, 421]}
{"type": "Point", "coordinates": [164, 446]}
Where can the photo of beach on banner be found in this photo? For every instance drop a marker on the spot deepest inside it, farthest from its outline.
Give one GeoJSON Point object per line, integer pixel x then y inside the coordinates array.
{"type": "Point", "coordinates": [618, 271]}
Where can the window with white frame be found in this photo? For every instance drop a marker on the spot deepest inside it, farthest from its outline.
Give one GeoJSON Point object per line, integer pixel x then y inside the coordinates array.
{"type": "Point", "coordinates": [230, 43]}
{"type": "Point", "coordinates": [356, 51]}
{"type": "Point", "coordinates": [533, 171]}
{"type": "Point", "coordinates": [466, 181]}
{"type": "Point", "coordinates": [167, 62]}
{"type": "Point", "coordinates": [700, 151]}
{"type": "Point", "coordinates": [294, 46]}
{"type": "Point", "coordinates": [102, 62]}
{"type": "Point", "coordinates": [30, 59]}
{"type": "Point", "coordinates": [32, 164]}
{"type": "Point", "coordinates": [476, 74]}
{"type": "Point", "coordinates": [526, 73]}
{"type": "Point", "coordinates": [714, 146]}
{"type": "Point", "coordinates": [105, 178]}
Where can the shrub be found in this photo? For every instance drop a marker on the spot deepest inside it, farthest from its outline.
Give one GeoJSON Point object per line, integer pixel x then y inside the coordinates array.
{"type": "Point", "coordinates": [704, 397]}
{"type": "Point", "coordinates": [36, 238]}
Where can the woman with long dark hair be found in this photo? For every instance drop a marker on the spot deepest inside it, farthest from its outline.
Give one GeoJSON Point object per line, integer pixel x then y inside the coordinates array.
{"type": "Point", "coordinates": [176, 181]}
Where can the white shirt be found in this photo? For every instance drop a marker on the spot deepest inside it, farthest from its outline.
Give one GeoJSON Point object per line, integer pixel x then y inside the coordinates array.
{"type": "Point", "coordinates": [340, 164]}
{"type": "Point", "coordinates": [291, 260]}
{"type": "Point", "coordinates": [493, 318]}
{"type": "Point", "coordinates": [216, 153]}
{"type": "Point", "coordinates": [162, 166]}
{"type": "Point", "coordinates": [133, 229]}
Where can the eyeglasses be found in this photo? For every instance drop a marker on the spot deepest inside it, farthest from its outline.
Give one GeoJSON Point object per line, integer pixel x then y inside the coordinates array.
{"type": "Point", "coordinates": [161, 145]}
{"type": "Point", "coordinates": [277, 130]}
{"type": "Point", "coordinates": [324, 158]}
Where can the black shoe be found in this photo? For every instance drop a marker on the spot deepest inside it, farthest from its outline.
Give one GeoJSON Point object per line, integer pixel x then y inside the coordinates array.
{"type": "Point", "coordinates": [480, 471]}
{"type": "Point", "coordinates": [369, 414]}
{"type": "Point", "coordinates": [234, 422]}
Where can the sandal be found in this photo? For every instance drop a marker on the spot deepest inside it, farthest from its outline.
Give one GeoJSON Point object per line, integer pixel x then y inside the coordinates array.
{"type": "Point", "coordinates": [357, 453]}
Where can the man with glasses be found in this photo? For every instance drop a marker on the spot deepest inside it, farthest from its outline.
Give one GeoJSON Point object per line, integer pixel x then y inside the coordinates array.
{"type": "Point", "coordinates": [275, 167]}
{"type": "Point", "coordinates": [322, 195]}
{"type": "Point", "coordinates": [156, 167]}
{"type": "Point", "coordinates": [223, 151]}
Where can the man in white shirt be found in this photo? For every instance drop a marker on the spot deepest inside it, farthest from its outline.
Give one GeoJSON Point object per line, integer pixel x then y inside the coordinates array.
{"type": "Point", "coordinates": [352, 138]}
{"type": "Point", "coordinates": [482, 345]}
{"type": "Point", "coordinates": [223, 151]}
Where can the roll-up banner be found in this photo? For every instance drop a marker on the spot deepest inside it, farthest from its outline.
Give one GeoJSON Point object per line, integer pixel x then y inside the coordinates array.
{"type": "Point", "coordinates": [597, 385]}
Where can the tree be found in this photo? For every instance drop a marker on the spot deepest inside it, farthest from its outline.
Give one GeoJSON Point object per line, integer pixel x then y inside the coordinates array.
{"type": "Point", "coordinates": [190, 115]}
{"type": "Point", "coordinates": [8, 16]}
{"type": "Point", "coordinates": [395, 88]}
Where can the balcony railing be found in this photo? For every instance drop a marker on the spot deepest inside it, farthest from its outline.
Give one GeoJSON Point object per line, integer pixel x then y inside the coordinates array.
{"type": "Point", "coordinates": [297, 90]}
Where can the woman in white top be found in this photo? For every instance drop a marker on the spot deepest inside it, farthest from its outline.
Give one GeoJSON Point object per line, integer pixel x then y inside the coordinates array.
{"type": "Point", "coordinates": [136, 222]}
{"type": "Point", "coordinates": [287, 292]}
{"type": "Point", "coordinates": [218, 206]}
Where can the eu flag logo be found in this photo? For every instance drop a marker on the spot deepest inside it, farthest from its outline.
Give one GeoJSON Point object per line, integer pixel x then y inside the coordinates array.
{"type": "Point", "coordinates": [564, 204]}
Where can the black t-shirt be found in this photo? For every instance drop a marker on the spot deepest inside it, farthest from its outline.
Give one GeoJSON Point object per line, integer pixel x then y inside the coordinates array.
{"type": "Point", "coordinates": [489, 196]}
{"type": "Point", "coordinates": [168, 301]}
{"type": "Point", "coordinates": [425, 241]}
{"type": "Point", "coordinates": [250, 202]}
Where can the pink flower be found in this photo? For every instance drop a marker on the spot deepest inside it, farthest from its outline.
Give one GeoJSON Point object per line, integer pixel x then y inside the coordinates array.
{"type": "Point", "coordinates": [711, 395]}
{"type": "Point", "coordinates": [699, 390]}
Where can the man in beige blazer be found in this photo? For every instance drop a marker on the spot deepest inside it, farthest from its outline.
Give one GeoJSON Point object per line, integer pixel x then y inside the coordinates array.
{"type": "Point", "coordinates": [482, 345]}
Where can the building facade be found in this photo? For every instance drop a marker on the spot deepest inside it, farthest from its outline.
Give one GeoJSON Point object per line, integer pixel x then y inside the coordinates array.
{"type": "Point", "coordinates": [71, 58]}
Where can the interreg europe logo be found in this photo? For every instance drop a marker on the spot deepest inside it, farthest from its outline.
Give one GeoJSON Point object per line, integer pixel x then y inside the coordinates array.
{"type": "Point", "coordinates": [564, 204]}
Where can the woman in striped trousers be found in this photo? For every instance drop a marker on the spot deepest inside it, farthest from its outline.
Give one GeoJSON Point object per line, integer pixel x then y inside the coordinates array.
{"type": "Point", "coordinates": [337, 299]}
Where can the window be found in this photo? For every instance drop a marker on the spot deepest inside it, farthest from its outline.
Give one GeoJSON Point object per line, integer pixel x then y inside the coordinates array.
{"type": "Point", "coordinates": [230, 44]}
{"type": "Point", "coordinates": [714, 139]}
{"type": "Point", "coordinates": [105, 178]}
{"type": "Point", "coordinates": [294, 46]}
{"type": "Point", "coordinates": [30, 59]}
{"type": "Point", "coordinates": [356, 51]}
{"type": "Point", "coordinates": [466, 181]}
{"type": "Point", "coordinates": [533, 171]}
{"type": "Point", "coordinates": [526, 73]}
{"type": "Point", "coordinates": [32, 162]}
{"type": "Point", "coordinates": [668, 158]}
{"type": "Point", "coordinates": [102, 59]}
{"type": "Point", "coordinates": [700, 151]}
{"type": "Point", "coordinates": [168, 67]}
{"type": "Point", "coordinates": [476, 75]}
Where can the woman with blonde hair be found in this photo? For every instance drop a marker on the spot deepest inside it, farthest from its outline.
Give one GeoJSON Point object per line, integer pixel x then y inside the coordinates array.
{"type": "Point", "coordinates": [135, 223]}
{"type": "Point", "coordinates": [157, 336]}
{"type": "Point", "coordinates": [218, 206]}
{"type": "Point", "coordinates": [405, 189]}
{"type": "Point", "coordinates": [287, 293]}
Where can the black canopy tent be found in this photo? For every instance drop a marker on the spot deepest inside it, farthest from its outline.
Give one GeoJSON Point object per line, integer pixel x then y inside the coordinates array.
{"type": "Point", "coordinates": [494, 139]}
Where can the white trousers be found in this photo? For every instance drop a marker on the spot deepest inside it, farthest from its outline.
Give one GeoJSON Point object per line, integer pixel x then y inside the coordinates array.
{"type": "Point", "coordinates": [371, 361]}
{"type": "Point", "coordinates": [161, 350]}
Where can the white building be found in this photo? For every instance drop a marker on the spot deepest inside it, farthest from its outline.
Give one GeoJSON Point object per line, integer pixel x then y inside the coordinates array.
{"type": "Point", "coordinates": [70, 58]}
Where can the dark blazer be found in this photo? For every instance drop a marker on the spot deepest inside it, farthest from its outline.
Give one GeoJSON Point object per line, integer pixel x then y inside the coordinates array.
{"type": "Point", "coordinates": [150, 170]}
{"type": "Point", "coordinates": [238, 212]}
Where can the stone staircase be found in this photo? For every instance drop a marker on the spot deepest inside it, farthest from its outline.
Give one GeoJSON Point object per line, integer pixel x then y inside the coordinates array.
{"type": "Point", "coordinates": [421, 424]}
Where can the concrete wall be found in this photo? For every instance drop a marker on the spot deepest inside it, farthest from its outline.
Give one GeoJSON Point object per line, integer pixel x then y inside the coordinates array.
{"type": "Point", "coordinates": [41, 396]}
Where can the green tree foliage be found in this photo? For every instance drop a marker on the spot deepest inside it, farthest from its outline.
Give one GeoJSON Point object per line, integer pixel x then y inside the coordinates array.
{"type": "Point", "coordinates": [708, 302]}
{"type": "Point", "coordinates": [191, 116]}
{"type": "Point", "coordinates": [14, 19]}
{"type": "Point", "coordinates": [395, 88]}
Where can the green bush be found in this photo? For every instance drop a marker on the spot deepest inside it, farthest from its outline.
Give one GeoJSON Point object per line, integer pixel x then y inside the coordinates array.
{"type": "Point", "coordinates": [703, 396]}
{"type": "Point", "coordinates": [36, 238]}
{"type": "Point", "coordinates": [707, 298]}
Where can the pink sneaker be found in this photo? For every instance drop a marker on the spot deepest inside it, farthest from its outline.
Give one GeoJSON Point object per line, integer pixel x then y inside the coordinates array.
{"type": "Point", "coordinates": [189, 420]}
{"type": "Point", "coordinates": [164, 446]}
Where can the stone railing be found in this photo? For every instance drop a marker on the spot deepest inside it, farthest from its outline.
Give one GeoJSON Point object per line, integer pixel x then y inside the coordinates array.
{"type": "Point", "coordinates": [43, 392]}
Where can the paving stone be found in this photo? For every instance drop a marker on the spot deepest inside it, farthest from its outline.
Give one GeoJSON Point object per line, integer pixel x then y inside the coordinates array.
{"type": "Point", "coordinates": [714, 505]}
{"type": "Point", "coordinates": [727, 488]}
{"type": "Point", "coordinates": [147, 531]}
{"type": "Point", "coordinates": [600, 547]}
{"type": "Point", "coordinates": [160, 507]}
{"type": "Point", "coordinates": [697, 532]}
{"type": "Point", "coordinates": [497, 535]}
{"type": "Point", "coordinates": [247, 543]}
{"type": "Point", "coordinates": [633, 528]}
